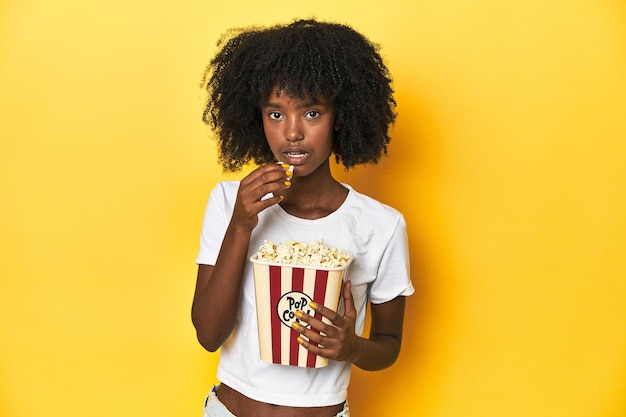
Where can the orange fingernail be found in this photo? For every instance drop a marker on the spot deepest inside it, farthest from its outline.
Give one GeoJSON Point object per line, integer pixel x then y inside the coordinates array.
{"type": "Point", "coordinates": [313, 305]}
{"type": "Point", "coordinates": [299, 314]}
{"type": "Point", "coordinates": [284, 165]}
{"type": "Point", "coordinates": [295, 325]}
{"type": "Point", "coordinates": [288, 183]}
{"type": "Point", "coordinates": [300, 340]}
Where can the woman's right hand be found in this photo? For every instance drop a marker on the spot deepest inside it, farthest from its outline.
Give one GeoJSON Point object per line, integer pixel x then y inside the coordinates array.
{"type": "Point", "coordinates": [218, 288]}
{"type": "Point", "coordinates": [259, 190]}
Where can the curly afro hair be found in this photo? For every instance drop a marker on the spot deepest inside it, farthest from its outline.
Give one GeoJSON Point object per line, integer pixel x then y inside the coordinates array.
{"type": "Point", "coordinates": [306, 58]}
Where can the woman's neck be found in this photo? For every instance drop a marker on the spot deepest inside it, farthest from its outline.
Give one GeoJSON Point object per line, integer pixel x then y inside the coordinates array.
{"type": "Point", "coordinates": [314, 196]}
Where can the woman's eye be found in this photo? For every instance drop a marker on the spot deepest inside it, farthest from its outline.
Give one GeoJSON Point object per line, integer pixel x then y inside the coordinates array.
{"type": "Point", "coordinates": [312, 114]}
{"type": "Point", "coordinates": [274, 115]}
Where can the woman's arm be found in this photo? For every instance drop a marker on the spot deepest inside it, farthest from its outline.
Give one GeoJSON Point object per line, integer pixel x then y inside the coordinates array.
{"type": "Point", "coordinates": [218, 288]}
{"type": "Point", "coordinates": [382, 347]}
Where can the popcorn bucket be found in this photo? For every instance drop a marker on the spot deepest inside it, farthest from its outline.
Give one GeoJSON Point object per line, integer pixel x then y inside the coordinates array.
{"type": "Point", "coordinates": [283, 289]}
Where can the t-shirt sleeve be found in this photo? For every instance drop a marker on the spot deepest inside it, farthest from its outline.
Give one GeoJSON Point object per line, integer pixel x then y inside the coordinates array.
{"type": "Point", "coordinates": [393, 278]}
{"type": "Point", "coordinates": [217, 216]}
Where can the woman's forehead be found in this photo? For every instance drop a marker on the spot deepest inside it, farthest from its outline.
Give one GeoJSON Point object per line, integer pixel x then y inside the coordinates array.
{"type": "Point", "coordinates": [305, 97]}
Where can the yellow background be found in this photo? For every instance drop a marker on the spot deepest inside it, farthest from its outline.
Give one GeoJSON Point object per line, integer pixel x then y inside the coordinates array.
{"type": "Point", "coordinates": [507, 160]}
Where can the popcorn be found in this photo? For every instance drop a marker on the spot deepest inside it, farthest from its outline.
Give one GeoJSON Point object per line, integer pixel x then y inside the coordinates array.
{"type": "Point", "coordinates": [288, 277]}
{"type": "Point", "coordinates": [298, 253]}
{"type": "Point", "coordinates": [289, 168]}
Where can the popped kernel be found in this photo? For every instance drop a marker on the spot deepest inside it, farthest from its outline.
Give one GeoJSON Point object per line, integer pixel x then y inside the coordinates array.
{"type": "Point", "coordinates": [302, 254]}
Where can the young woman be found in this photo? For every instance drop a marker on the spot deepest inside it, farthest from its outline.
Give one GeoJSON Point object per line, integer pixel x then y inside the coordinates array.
{"type": "Point", "coordinates": [293, 95]}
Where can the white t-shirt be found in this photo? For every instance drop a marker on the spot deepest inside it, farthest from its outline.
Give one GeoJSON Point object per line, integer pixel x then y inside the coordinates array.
{"type": "Point", "coordinates": [373, 232]}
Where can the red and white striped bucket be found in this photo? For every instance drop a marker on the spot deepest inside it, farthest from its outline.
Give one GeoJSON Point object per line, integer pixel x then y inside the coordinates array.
{"type": "Point", "coordinates": [283, 289]}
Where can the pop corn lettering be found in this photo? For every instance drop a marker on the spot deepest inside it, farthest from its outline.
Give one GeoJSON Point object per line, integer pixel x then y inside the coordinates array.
{"type": "Point", "coordinates": [291, 302]}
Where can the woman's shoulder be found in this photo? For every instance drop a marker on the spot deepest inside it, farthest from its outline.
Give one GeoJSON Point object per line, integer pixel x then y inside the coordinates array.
{"type": "Point", "coordinates": [370, 209]}
{"type": "Point", "coordinates": [225, 189]}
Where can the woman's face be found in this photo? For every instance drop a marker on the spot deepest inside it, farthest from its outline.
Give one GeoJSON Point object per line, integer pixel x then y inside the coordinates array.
{"type": "Point", "coordinates": [299, 131]}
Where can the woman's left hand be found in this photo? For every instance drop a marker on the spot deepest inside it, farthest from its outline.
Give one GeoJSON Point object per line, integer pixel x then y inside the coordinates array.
{"type": "Point", "coordinates": [338, 340]}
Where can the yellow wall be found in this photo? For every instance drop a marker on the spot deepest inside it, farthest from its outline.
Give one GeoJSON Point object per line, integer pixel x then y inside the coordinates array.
{"type": "Point", "coordinates": [507, 159]}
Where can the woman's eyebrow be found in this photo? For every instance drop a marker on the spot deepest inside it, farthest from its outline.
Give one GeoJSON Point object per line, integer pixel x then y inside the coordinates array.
{"type": "Point", "coordinates": [312, 102]}
{"type": "Point", "coordinates": [308, 103]}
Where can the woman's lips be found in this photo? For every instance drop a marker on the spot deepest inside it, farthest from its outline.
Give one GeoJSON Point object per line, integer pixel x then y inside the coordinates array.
{"type": "Point", "coordinates": [295, 157]}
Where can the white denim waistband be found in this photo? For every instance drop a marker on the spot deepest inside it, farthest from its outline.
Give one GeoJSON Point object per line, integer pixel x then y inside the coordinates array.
{"type": "Point", "coordinates": [213, 407]}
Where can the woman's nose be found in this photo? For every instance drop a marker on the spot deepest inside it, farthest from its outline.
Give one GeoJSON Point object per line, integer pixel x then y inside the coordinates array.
{"type": "Point", "coordinates": [294, 131]}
